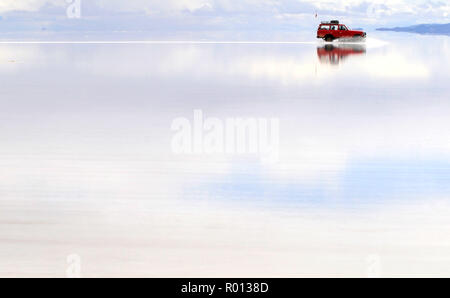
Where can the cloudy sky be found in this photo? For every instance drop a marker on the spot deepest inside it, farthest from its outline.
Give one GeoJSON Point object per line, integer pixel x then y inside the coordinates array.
{"type": "Point", "coordinates": [162, 15]}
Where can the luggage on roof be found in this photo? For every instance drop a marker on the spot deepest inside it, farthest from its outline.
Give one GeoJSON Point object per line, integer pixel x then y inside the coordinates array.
{"type": "Point", "coordinates": [330, 22]}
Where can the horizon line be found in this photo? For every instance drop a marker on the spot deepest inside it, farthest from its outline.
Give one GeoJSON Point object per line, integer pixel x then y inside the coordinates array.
{"type": "Point", "coordinates": [152, 42]}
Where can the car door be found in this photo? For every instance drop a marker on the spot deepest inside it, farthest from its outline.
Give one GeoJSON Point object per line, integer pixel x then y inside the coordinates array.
{"type": "Point", "coordinates": [343, 31]}
{"type": "Point", "coordinates": [333, 31]}
{"type": "Point", "coordinates": [323, 30]}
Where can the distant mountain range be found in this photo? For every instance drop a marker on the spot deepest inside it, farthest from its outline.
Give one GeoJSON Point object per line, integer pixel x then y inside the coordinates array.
{"type": "Point", "coordinates": [441, 29]}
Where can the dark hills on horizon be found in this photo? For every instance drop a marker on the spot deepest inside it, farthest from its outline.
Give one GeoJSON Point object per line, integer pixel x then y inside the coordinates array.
{"type": "Point", "coordinates": [435, 29]}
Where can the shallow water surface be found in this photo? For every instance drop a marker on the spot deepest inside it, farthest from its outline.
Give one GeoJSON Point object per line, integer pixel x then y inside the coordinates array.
{"type": "Point", "coordinates": [360, 186]}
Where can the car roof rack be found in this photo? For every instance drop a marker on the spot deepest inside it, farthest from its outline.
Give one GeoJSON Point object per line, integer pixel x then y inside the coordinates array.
{"type": "Point", "coordinates": [334, 22]}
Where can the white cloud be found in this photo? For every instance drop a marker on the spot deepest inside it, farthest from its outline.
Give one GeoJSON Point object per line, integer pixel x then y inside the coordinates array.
{"type": "Point", "coordinates": [27, 5]}
{"type": "Point", "coordinates": [248, 12]}
{"type": "Point", "coordinates": [151, 6]}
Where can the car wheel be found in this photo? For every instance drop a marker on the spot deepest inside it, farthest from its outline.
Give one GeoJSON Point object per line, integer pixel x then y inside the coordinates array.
{"type": "Point", "coordinates": [328, 38]}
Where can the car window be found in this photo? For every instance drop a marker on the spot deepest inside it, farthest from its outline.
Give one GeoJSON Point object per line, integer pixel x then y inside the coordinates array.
{"type": "Point", "coordinates": [333, 28]}
{"type": "Point", "coordinates": [323, 27]}
{"type": "Point", "coordinates": [342, 28]}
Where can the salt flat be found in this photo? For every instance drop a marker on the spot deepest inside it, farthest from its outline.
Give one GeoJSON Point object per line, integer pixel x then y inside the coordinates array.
{"type": "Point", "coordinates": [360, 187]}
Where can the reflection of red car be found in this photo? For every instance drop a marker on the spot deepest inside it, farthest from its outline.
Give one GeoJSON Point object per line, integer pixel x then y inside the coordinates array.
{"type": "Point", "coordinates": [333, 30]}
{"type": "Point", "coordinates": [335, 54]}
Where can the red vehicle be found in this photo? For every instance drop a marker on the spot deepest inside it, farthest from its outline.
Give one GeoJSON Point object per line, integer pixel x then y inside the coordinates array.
{"type": "Point", "coordinates": [332, 30]}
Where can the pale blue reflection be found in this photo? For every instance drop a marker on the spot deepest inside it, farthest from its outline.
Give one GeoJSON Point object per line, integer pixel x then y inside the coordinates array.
{"type": "Point", "coordinates": [363, 184]}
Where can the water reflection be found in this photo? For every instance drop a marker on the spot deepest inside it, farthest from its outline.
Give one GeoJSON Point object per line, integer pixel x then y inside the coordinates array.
{"type": "Point", "coordinates": [336, 54]}
{"type": "Point", "coordinates": [86, 164]}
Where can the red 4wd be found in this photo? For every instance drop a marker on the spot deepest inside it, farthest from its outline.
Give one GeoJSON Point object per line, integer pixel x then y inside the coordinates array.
{"type": "Point", "coordinates": [332, 30]}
